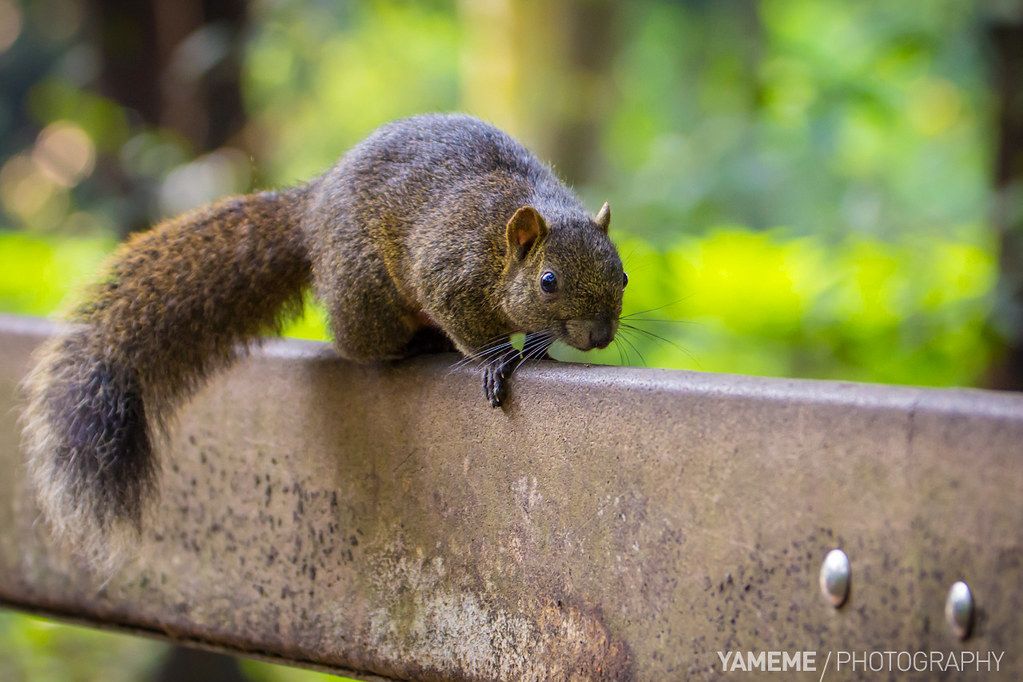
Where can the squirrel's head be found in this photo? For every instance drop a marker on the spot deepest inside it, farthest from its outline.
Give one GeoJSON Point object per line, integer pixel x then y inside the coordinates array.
{"type": "Point", "coordinates": [565, 279]}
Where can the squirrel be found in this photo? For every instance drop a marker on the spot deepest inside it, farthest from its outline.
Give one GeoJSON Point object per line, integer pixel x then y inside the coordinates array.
{"type": "Point", "coordinates": [437, 230]}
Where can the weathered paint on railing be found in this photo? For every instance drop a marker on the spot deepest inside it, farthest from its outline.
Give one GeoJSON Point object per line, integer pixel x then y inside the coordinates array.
{"type": "Point", "coordinates": [608, 524]}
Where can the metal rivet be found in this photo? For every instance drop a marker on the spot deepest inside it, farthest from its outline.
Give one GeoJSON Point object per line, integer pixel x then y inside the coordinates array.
{"type": "Point", "coordinates": [959, 609]}
{"type": "Point", "coordinates": [834, 578]}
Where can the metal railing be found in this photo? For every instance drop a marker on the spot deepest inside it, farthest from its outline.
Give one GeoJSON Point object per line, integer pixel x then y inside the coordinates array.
{"type": "Point", "coordinates": [608, 523]}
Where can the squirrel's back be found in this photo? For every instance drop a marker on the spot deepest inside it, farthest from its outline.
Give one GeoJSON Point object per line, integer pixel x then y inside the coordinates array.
{"type": "Point", "coordinates": [421, 168]}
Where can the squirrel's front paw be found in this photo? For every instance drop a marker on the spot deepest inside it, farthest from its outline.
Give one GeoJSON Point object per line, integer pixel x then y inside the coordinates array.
{"type": "Point", "coordinates": [495, 385]}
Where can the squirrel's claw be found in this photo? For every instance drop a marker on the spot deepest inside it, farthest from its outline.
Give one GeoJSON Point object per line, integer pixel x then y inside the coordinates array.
{"type": "Point", "coordinates": [495, 379]}
{"type": "Point", "coordinates": [495, 376]}
{"type": "Point", "coordinates": [495, 388]}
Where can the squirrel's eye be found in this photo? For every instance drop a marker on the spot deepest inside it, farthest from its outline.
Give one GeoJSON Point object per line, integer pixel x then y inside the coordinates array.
{"type": "Point", "coordinates": [625, 279]}
{"type": "Point", "coordinates": [549, 282]}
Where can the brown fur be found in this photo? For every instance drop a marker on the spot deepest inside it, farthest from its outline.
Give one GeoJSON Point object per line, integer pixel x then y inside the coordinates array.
{"type": "Point", "coordinates": [408, 240]}
{"type": "Point", "coordinates": [173, 306]}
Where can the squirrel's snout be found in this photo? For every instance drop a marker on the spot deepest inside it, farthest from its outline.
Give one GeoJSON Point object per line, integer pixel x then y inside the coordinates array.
{"type": "Point", "coordinates": [590, 334]}
{"type": "Point", "coordinates": [587, 334]}
{"type": "Point", "coordinates": [601, 333]}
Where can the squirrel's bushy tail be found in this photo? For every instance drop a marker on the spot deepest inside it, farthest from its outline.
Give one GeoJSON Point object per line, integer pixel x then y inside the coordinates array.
{"type": "Point", "coordinates": [174, 305]}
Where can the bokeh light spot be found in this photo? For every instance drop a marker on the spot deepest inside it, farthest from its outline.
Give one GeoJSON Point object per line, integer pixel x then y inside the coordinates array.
{"type": "Point", "coordinates": [64, 153]}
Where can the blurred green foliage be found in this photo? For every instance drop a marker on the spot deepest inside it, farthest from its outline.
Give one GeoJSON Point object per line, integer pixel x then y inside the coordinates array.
{"type": "Point", "coordinates": [34, 649]}
{"type": "Point", "coordinates": [803, 189]}
{"type": "Point", "coordinates": [37, 272]}
{"type": "Point", "coordinates": [800, 188]}
{"type": "Point", "coordinates": [779, 304]}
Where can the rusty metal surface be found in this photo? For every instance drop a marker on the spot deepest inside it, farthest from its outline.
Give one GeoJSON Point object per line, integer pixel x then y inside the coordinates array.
{"type": "Point", "coordinates": [609, 524]}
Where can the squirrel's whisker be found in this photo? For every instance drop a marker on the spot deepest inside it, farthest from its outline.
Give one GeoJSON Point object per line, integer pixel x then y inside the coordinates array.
{"type": "Point", "coordinates": [650, 334]}
{"type": "Point", "coordinates": [624, 348]}
{"type": "Point", "coordinates": [540, 347]}
{"type": "Point", "coordinates": [625, 338]}
{"type": "Point", "coordinates": [481, 359]}
{"type": "Point", "coordinates": [662, 339]}
{"type": "Point", "coordinates": [662, 320]}
{"type": "Point", "coordinates": [651, 310]}
{"type": "Point", "coordinates": [492, 347]}
{"type": "Point", "coordinates": [488, 351]}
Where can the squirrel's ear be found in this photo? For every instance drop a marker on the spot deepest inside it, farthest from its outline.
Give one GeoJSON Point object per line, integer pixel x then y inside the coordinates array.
{"type": "Point", "coordinates": [524, 229]}
{"type": "Point", "coordinates": [604, 217]}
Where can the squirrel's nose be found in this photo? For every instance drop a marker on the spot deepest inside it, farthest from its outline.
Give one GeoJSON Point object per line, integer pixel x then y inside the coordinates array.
{"type": "Point", "coordinates": [601, 334]}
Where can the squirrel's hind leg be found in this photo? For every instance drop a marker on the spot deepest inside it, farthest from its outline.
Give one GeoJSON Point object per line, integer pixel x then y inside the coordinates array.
{"type": "Point", "coordinates": [368, 332]}
{"type": "Point", "coordinates": [369, 320]}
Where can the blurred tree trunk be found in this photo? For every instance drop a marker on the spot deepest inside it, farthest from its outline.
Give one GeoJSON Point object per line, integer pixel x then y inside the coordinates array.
{"type": "Point", "coordinates": [1006, 41]}
{"type": "Point", "coordinates": [175, 62]}
{"type": "Point", "coordinates": [177, 65]}
{"type": "Point", "coordinates": [578, 102]}
{"type": "Point", "coordinates": [542, 70]}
